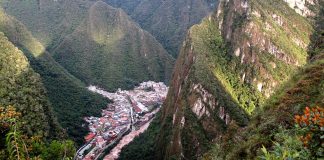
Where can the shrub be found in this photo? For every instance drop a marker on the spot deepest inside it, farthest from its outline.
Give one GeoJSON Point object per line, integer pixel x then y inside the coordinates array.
{"type": "Point", "coordinates": [305, 141]}
{"type": "Point", "coordinates": [312, 123]}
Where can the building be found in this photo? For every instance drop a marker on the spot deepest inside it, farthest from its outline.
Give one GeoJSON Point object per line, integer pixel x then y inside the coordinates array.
{"type": "Point", "coordinates": [100, 142]}
{"type": "Point", "coordinates": [89, 137]}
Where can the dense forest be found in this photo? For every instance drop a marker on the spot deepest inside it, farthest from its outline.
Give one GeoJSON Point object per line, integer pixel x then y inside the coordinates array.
{"type": "Point", "coordinates": [26, 117]}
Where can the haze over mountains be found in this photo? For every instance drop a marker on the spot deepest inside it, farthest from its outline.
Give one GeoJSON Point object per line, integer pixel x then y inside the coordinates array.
{"type": "Point", "coordinates": [244, 70]}
{"type": "Point", "coordinates": [91, 40]}
{"type": "Point", "coordinates": [109, 50]}
{"type": "Point", "coordinates": [167, 20]}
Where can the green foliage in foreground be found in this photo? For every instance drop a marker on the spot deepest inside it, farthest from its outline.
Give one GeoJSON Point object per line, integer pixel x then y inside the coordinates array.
{"type": "Point", "coordinates": [305, 88]}
{"type": "Point", "coordinates": [287, 145]}
{"type": "Point", "coordinates": [19, 146]}
{"type": "Point", "coordinates": [21, 87]}
{"type": "Point", "coordinates": [305, 141]}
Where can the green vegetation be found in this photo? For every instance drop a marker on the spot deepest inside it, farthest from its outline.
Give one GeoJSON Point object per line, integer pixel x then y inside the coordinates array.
{"type": "Point", "coordinates": [306, 88]}
{"type": "Point", "coordinates": [241, 57]}
{"type": "Point", "coordinates": [94, 42]}
{"type": "Point", "coordinates": [22, 88]}
{"type": "Point", "coordinates": [305, 141]}
{"type": "Point", "coordinates": [289, 148]}
{"type": "Point", "coordinates": [143, 147]}
{"type": "Point", "coordinates": [294, 27]}
{"type": "Point", "coordinates": [117, 53]}
{"type": "Point", "coordinates": [210, 47]}
{"type": "Point", "coordinates": [190, 133]}
{"type": "Point", "coordinates": [68, 95]}
{"type": "Point", "coordinates": [168, 21]}
{"type": "Point", "coordinates": [49, 21]}
{"type": "Point", "coordinates": [29, 114]}
{"type": "Point", "coordinates": [19, 146]}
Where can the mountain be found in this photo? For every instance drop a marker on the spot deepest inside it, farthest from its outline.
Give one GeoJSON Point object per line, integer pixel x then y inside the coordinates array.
{"type": "Point", "coordinates": [48, 20]}
{"type": "Point", "coordinates": [120, 57]}
{"type": "Point", "coordinates": [28, 126]}
{"type": "Point", "coordinates": [62, 41]}
{"type": "Point", "coordinates": [68, 95]}
{"type": "Point", "coordinates": [278, 116]}
{"type": "Point", "coordinates": [230, 66]}
{"type": "Point", "coordinates": [109, 50]}
{"type": "Point", "coordinates": [167, 20]}
{"type": "Point", "coordinates": [22, 88]}
{"type": "Point", "coordinates": [306, 88]}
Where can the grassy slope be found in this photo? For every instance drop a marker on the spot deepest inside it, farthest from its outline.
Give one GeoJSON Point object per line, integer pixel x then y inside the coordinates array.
{"type": "Point", "coordinates": [69, 97]}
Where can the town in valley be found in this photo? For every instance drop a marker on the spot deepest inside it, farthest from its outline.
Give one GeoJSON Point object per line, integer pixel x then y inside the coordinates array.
{"type": "Point", "coordinates": [129, 111]}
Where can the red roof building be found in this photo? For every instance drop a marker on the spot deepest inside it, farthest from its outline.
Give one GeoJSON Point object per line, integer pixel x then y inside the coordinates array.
{"type": "Point", "coordinates": [89, 137]}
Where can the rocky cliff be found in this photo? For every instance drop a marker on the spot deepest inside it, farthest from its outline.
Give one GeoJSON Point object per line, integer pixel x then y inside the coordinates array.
{"type": "Point", "coordinates": [228, 66]}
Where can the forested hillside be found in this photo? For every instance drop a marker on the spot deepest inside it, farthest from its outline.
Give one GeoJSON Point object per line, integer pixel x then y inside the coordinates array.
{"type": "Point", "coordinates": [27, 122]}
{"type": "Point", "coordinates": [109, 50]}
{"type": "Point", "coordinates": [167, 20]}
{"type": "Point", "coordinates": [69, 97]}
{"type": "Point", "coordinates": [23, 89]}
{"type": "Point", "coordinates": [122, 56]}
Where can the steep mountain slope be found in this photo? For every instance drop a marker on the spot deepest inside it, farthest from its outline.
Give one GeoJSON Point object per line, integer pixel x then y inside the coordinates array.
{"type": "Point", "coordinates": [69, 30]}
{"type": "Point", "coordinates": [110, 50]}
{"type": "Point", "coordinates": [229, 65]}
{"type": "Point", "coordinates": [28, 127]}
{"type": "Point", "coordinates": [306, 88]}
{"type": "Point", "coordinates": [22, 88]}
{"type": "Point", "coordinates": [69, 97]}
{"type": "Point", "coordinates": [167, 20]}
{"type": "Point", "coordinates": [48, 20]}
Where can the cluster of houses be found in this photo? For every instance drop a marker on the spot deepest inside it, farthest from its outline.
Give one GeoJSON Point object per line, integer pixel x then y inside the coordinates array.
{"type": "Point", "coordinates": [130, 109]}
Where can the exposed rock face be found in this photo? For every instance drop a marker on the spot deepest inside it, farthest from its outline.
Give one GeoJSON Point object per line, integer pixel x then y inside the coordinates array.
{"type": "Point", "coordinates": [229, 64]}
{"type": "Point", "coordinates": [302, 6]}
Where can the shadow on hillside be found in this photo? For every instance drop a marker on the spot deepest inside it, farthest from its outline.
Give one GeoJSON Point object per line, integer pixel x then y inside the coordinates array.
{"type": "Point", "coordinates": [316, 46]}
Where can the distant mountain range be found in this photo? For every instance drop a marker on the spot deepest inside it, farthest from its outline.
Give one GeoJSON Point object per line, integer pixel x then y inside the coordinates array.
{"type": "Point", "coordinates": [167, 20]}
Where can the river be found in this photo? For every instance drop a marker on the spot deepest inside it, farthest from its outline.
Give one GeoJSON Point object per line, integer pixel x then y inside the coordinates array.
{"type": "Point", "coordinates": [114, 153]}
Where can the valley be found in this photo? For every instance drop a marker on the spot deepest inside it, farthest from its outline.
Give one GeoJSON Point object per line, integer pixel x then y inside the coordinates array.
{"type": "Point", "coordinates": [161, 79]}
{"type": "Point", "coordinates": [130, 111]}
